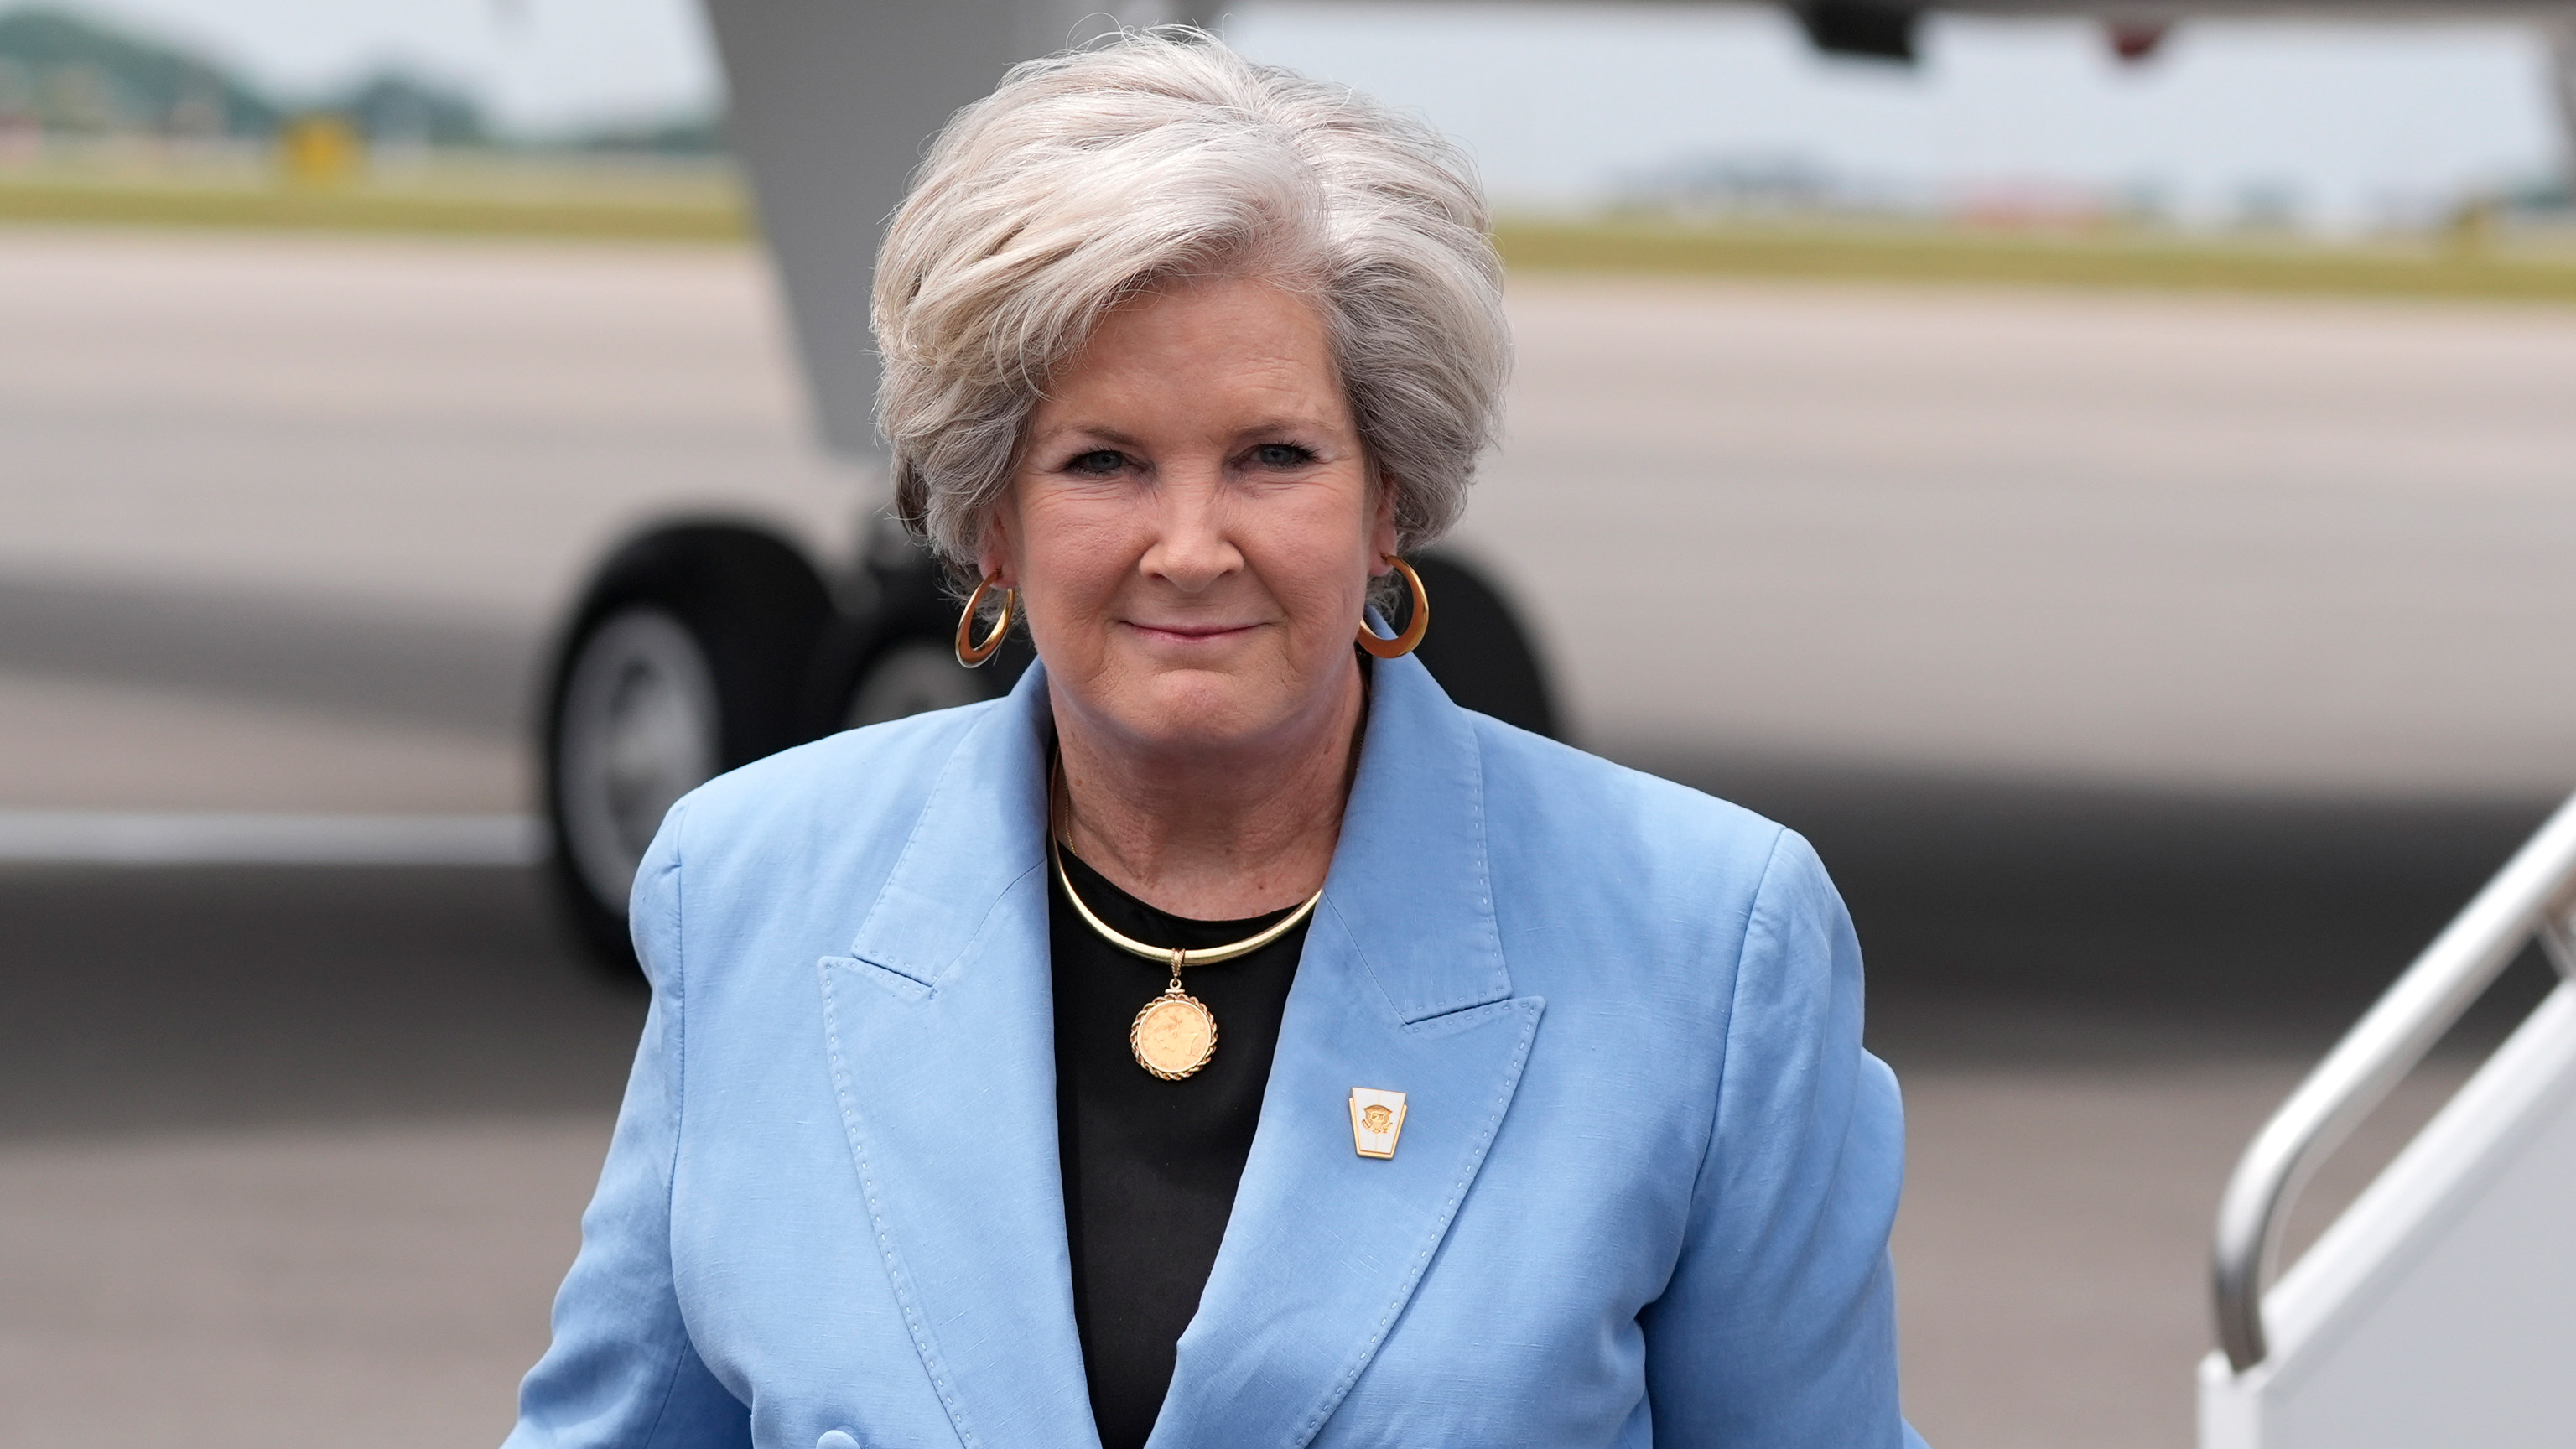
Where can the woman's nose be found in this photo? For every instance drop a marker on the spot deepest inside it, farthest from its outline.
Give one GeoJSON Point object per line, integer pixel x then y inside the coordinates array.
{"type": "Point", "coordinates": [1191, 547]}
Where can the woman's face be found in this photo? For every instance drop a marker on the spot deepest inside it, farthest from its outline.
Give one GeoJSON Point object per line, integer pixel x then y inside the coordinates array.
{"type": "Point", "coordinates": [1192, 524]}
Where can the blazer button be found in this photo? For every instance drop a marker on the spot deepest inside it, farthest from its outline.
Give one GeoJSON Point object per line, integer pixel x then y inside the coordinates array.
{"type": "Point", "coordinates": [837, 1439]}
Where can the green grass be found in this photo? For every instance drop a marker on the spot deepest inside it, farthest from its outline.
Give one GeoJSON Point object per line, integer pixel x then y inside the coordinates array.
{"type": "Point", "coordinates": [2485, 268]}
{"type": "Point", "coordinates": [700, 205]}
{"type": "Point", "coordinates": [573, 199]}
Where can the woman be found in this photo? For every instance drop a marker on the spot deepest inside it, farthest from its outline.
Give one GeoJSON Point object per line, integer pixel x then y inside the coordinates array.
{"type": "Point", "coordinates": [1224, 1037]}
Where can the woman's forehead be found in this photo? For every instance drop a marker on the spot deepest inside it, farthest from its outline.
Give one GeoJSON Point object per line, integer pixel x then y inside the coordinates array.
{"type": "Point", "coordinates": [1246, 317]}
{"type": "Point", "coordinates": [1252, 351]}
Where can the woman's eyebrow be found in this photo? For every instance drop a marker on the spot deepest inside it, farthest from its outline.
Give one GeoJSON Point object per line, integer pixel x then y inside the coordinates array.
{"type": "Point", "coordinates": [1286, 425]}
{"type": "Point", "coordinates": [1091, 432]}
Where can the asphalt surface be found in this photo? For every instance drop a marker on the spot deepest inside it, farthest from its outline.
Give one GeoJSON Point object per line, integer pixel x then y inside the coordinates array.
{"type": "Point", "coordinates": [2155, 677]}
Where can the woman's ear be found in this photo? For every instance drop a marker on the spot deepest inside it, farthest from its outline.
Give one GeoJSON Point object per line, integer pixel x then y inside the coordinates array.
{"type": "Point", "coordinates": [1382, 531]}
{"type": "Point", "coordinates": [993, 550]}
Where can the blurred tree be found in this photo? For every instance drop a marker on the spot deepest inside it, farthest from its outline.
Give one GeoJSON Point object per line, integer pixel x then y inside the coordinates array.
{"type": "Point", "coordinates": [61, 71]}
{"type": "Point", "coordinates": [76, 74]}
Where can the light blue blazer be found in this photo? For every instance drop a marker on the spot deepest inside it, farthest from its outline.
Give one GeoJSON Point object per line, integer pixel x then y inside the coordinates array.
{"type": "Point", "coordinates": [1642, 1194]}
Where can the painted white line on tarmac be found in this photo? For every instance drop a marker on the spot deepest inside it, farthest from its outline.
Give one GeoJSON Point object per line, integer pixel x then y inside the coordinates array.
{"type": "Point", "coordinates": [129, 837]}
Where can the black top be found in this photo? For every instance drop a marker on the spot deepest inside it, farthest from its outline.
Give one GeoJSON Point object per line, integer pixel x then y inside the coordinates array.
{"type": "Point", "coordinates": [1150, 1166]}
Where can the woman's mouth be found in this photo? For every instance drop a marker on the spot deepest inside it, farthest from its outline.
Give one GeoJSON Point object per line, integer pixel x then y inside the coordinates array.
{"type": "Point", "coordinates": [1184, 635]}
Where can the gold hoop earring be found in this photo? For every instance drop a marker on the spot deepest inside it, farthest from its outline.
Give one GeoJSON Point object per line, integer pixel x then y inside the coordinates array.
{"type": "Point", "coordinates": [1420, 624]}
{"type": "Point", "coordinates": [970, 653]}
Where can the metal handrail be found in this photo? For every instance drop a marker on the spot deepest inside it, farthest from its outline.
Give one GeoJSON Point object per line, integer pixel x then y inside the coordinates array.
{"type": "Point", "coordinates": [2524, 900]}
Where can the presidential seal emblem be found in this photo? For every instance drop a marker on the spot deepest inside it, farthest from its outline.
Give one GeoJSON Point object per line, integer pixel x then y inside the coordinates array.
{"type": "Point", "coordinates": [1377, 1120]}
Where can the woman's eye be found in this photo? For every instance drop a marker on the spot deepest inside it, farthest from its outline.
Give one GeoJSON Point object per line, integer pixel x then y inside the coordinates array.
{"type": "Point", "coordinates": [1281, 455]}
{"type": "Point", "coordinates": [1098, 463]}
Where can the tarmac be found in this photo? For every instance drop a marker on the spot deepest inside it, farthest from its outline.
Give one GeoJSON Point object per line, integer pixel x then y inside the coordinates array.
{"type": "Point", "coordinates": [2155, 675]}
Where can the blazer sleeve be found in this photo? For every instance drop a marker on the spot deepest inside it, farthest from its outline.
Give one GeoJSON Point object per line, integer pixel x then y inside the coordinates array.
{"type": "Point", "coordinates": [622, 1371]}
{"type": "Point", "coordinates": [1778, 1327]}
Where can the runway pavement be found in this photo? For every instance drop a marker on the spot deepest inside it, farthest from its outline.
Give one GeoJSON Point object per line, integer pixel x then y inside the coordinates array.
{"type": "Point", "coordinates": [2154, 675]}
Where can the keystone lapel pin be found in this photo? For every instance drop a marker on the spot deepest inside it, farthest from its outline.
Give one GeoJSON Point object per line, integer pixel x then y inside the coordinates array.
{"type": "Point", "coordinates": [1377, 1119]}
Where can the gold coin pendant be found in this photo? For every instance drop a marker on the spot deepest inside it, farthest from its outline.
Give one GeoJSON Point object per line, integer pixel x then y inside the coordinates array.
{"type": "Point", "coordinates": [1174, 1035]}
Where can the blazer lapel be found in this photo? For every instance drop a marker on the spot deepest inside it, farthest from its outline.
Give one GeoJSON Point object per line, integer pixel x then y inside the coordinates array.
{"type": "Point", "coordinates": [942, 1050]}
{"type": "Point", "coordinates": [1402, 986]}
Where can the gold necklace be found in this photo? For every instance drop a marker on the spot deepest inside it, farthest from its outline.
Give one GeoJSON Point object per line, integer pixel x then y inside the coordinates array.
{"type": "Point", "coordinates": [1175, 1034]}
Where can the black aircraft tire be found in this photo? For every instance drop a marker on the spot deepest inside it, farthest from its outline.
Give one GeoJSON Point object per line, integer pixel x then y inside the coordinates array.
{"type": "Point", "coordinates": [687, 657]}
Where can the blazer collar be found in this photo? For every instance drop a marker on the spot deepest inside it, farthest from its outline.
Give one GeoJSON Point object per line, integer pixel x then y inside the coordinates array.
{"type": "Point", "coordinates": [982, 831]}
{"type": "Point", "coordinates": [1410, 879]}
{"type": "Point", "coordinates": [948, 1089]}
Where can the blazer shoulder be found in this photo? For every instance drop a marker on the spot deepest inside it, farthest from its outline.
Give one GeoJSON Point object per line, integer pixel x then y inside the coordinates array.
{"type": "Point", "coordinates": [1539, 782]}
{"type": "Point", "coordinates": [1656, 873]}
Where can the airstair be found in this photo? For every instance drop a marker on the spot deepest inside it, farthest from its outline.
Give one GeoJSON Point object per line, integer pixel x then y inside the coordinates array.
{"type": "Point", "coordinates": [2440, 1308]}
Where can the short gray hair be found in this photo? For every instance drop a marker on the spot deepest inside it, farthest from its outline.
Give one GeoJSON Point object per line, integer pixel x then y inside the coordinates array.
{"type": "Point", "coordinates": [1160, 154]}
